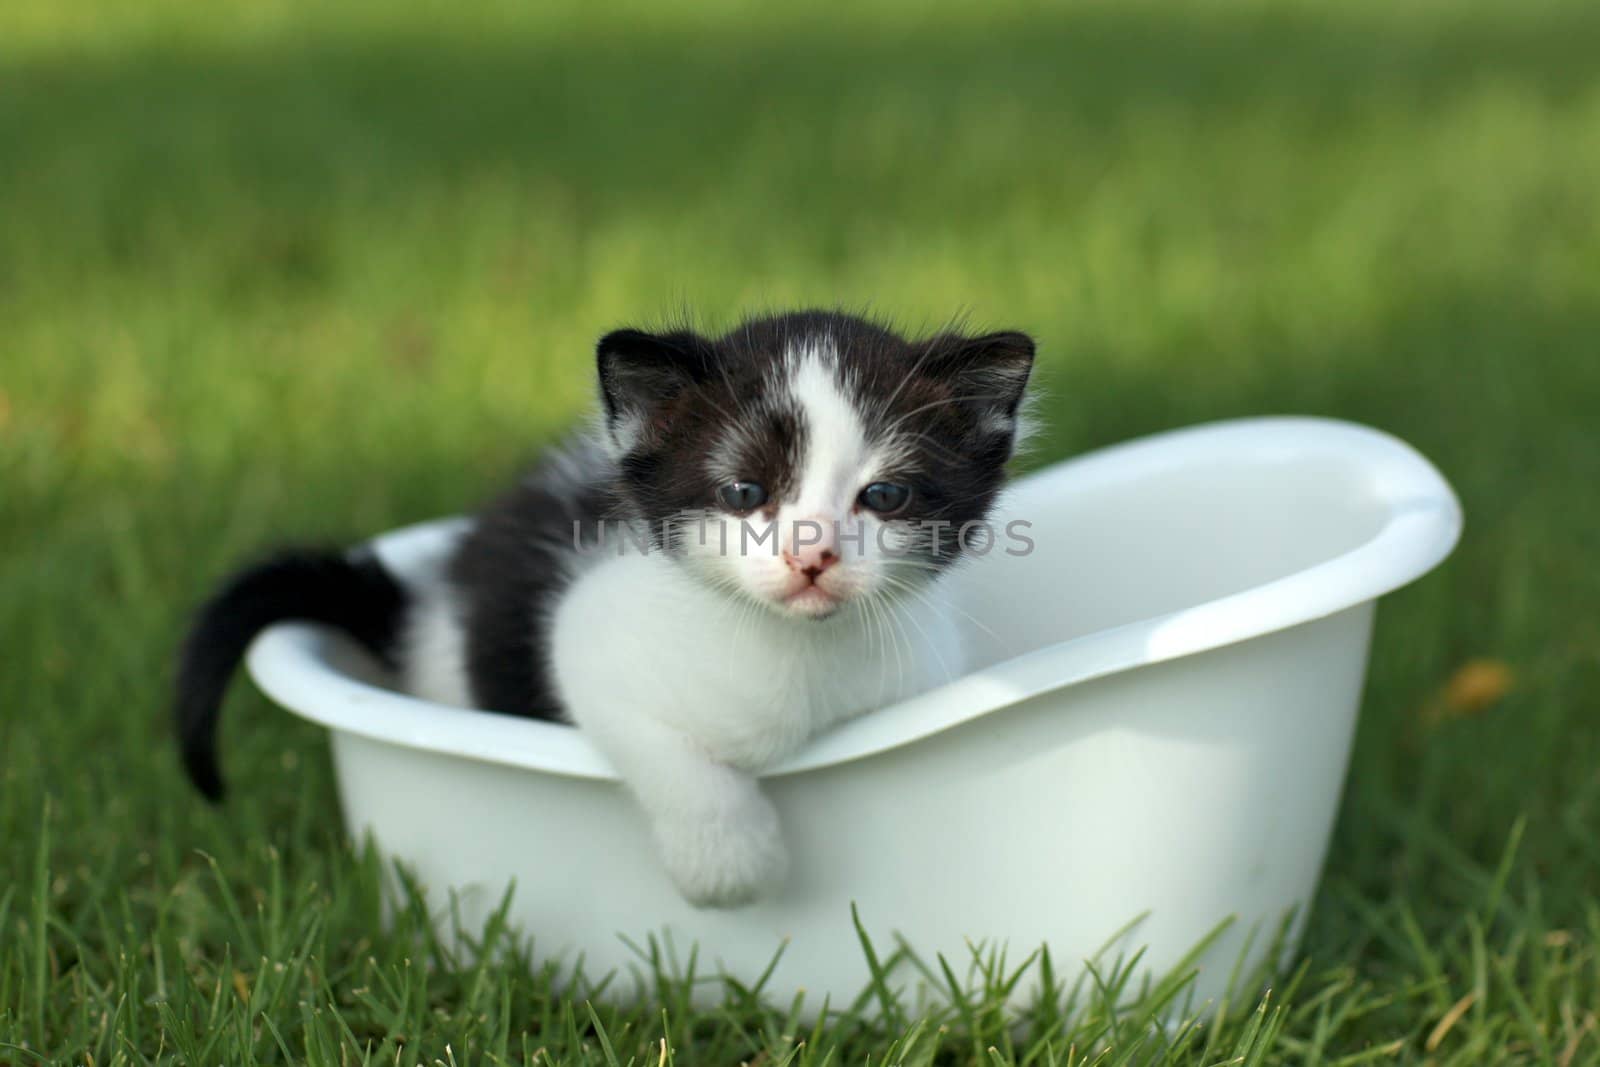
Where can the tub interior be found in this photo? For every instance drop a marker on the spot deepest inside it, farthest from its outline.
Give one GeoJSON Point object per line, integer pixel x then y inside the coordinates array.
{"type": "Point", "coordinates": [1111, 551]}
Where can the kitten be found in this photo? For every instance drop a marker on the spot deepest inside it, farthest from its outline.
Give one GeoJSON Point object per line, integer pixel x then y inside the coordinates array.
{"type": "Point", "coordinates": [741, 553]}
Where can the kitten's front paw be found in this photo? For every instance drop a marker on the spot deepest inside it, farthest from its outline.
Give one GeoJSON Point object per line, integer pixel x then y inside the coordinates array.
{"type": "Point", "coordinates": [728, 859]}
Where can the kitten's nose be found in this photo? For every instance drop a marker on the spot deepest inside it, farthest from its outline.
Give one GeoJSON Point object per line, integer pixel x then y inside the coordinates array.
{"type": "Point", "coordinates": [813, 547]}
{"type": "Point", "coordinates": [811, 561]}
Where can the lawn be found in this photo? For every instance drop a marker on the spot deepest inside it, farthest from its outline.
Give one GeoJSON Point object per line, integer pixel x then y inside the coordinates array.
{"type": "Point", "coordinates": [292, 270]}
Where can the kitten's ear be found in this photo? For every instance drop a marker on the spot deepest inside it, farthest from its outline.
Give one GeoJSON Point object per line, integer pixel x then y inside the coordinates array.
{"type": "Point", "coordinates": [640, 372]}
{"type": "Point", "coordinates": [990, 371]}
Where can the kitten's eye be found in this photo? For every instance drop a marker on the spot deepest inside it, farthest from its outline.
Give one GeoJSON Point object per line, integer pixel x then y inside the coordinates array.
{"type": "Point", "coordinates": [885, 498]}
{"type": "Point", "coordinates": [742, 496]}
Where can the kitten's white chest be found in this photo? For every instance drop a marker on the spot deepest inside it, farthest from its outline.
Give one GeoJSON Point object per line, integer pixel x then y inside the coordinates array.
{"type": "Point", "coordinates": [748, 685]}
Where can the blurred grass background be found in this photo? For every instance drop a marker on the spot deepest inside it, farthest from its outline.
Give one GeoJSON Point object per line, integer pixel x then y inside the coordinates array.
{"type": "Point", "coordinates": [285, 270]}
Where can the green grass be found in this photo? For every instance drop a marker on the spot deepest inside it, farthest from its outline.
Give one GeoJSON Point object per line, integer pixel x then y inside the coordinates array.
{"type": "Point", "coordinates": [289, 270]}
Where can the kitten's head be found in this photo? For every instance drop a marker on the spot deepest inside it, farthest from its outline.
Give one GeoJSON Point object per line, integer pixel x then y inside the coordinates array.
{"type": "Point", "coordinates": [812, 459]}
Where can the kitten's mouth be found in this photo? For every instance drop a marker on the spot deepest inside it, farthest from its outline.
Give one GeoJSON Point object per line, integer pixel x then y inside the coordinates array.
{"type": "Point", "coordinates": [813, 602]}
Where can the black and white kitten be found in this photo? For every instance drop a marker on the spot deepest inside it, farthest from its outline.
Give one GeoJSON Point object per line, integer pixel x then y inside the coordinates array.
{"type": "Point", "coordinates": [742, 552]}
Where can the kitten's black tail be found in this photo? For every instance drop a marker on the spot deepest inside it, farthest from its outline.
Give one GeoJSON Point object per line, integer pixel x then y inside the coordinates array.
{"type": "Point", "coordinates": [351, 591]}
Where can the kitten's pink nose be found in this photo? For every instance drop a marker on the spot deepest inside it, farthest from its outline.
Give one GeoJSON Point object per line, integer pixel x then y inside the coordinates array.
{"type": "Point", "coordinates": [814, 548]}
{"type": "Point", "coordinates": [811, 560]}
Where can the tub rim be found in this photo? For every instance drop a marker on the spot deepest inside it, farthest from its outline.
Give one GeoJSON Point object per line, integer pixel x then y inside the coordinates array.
{"type": "Point", "coordinates": [290, 662]}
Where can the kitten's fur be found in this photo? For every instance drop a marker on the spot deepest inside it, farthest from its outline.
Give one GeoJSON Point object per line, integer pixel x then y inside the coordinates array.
{"type": "Point", "coordinates": [700, 654]}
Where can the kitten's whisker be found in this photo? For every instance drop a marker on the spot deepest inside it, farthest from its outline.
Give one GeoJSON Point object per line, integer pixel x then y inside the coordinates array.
{"type": "Point", "coordinates": [881, 633]}
{"type": "Point", "coordinates": [940, 403]}
{"type": "Point", "coordinates": [900, 630]}
{"type": "Point", "coordinates": [899, 665]}
{"type": "Point", "coordinates": [927, 354]}
{"type": "Point", "coordinates": [933, 646]}
{"type": "Point", "coordinates": [901, 585]}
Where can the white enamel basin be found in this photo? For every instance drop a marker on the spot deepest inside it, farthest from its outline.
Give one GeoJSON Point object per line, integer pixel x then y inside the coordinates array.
{"type": "Point", "coordinates": [1156, 729]}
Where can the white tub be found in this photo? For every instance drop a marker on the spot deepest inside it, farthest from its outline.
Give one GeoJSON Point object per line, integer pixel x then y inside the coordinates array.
{"type": "Point", "coordinates": [1157, 724]}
